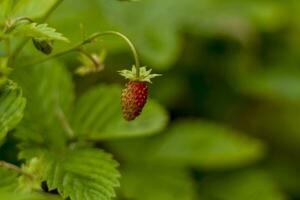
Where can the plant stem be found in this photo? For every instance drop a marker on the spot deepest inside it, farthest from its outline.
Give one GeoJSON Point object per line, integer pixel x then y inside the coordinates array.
{"type": "Point", "coordinates": [50, 11]}
{"type": "Point", "coordinates": [90, 57]}
{"type": "Point", "coordinates": [22, 44]}
{"type": "Point", "coordinates": [88, 40]}
{"type": "Point", "coordinates": [15, 168]}
{"type": "Point", "coordinates": [132, 48]}
{"type": "Point", "coordinates": [65, 124]}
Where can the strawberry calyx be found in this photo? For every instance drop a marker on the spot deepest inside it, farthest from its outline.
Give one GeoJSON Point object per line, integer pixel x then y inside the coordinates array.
{"type": "Point", "coordinates": [144, 75]}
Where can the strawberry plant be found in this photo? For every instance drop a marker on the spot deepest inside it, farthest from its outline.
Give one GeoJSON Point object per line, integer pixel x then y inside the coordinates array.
{"type": "Point", "coordinates": [57, 138]}
{"type": "Point", "coordinates": [80, 118]}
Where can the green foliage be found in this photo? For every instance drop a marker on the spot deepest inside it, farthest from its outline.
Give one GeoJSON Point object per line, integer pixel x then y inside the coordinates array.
{"type": "Point", "coordinates": [10, 190]}
{"type": "Point", "coordinates": [5, 6]}
{"type": "Point", "coordinates": [40, 32]}
{"type": "Point", "coordinates": [230, 63]}
{"type": "Point", "coordinates": [33, 8]}
{"type": "Point", "coordinates": [208, 145]}
{"type": "Point", "coordinates": [9, 180]}
{"type": "Point", "coordinates": [246, 185]}
{"type": "Point", "coordinates": [89, 121]}
{"type": "Point", "coordinates": [28, 196]}
{"type": "Point", "coordinates": [53, 94]}
{"type": "Point", "coordinates": [82, 173]}
{"type": "Point", "coordinates": [156, 182]}
{"type": "Point", "coordinates": [11, 107]}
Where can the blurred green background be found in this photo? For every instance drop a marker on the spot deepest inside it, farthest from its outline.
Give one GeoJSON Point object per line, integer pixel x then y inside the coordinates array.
{"type": "Point", "coordinates": [227, 64]}
{"type": "Point", "coordinates": [231, 83]}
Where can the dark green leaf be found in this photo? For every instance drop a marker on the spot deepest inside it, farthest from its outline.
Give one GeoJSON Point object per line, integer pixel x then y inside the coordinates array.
{"type": "Point", "coordinates": [88, 174]}
{"type": "Point", "coordinates": [98, 116]}
{"type": "Point", "coordinates": [12, 105]}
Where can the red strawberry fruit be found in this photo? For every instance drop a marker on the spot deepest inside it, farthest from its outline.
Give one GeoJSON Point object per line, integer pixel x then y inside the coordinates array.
{"type": "Point", "coordinates": [134, 98]}
{"type": "Point", "coordinates": [134, 95]}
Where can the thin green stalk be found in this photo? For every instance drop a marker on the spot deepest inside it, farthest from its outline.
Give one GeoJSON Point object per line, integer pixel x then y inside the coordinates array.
{"type": "Point", "coordinates": [133, 49]}
{"type": "Point", "coordinates": [65, 123]}
{"type": "Point", "coordinates": [88, 40]}
{"type": "Point", "coordinates": [22, 44]}
{"type": "Point", "coordinates": [15, 168]}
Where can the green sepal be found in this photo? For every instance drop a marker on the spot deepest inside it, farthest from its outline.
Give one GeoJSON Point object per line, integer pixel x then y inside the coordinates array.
{"type": "Point", "coordinates": [145, 75]}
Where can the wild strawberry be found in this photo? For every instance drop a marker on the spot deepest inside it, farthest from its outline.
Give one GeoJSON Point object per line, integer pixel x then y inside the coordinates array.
{"type": "Point", "coordinates": [134, 95]}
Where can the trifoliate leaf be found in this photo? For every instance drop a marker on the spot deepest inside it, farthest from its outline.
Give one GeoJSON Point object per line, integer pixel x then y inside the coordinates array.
{"type": "Point", "coordinates": [207, 145]}
{"type": "Point", "coordinates": [98, 115]}
{"type": "Point", "coordinates": [83, 173]}
{"type": "Point", "coordinates": [12, 105]}
{"type": "Point", "coordinates": [39, 31]}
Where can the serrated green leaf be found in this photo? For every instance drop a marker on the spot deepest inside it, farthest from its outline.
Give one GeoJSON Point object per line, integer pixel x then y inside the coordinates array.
{"type": "Point", "coordinates": [246, 185]}
{"type": "Point", "coordinates": [83, 173]}
{"type": "Point", "coordinates": [207, 145]}
{"type": "Point", "coordinates": [138, 183]}
{"type": "Point", "coordinates": [39, 31]}
{"type": "Point", "coordinates": [49, 90]}
{"type": "Point", "coordinates": [98, 115]}
{"type": "Point", "coordinates": [12, 105]}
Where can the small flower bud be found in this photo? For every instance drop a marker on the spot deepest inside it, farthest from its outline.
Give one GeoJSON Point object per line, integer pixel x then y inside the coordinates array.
{"type": "Point", "coordinates": [44, 46]}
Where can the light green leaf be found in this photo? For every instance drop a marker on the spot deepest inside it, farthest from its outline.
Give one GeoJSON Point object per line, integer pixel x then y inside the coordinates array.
{"type": "Point", "coordinates": [208, 145]}
{"type": "Point", "coordinates": [8, 180]}
{"type": "Point", "coordinates": [244, 185]}
{"type": "Point", "coordinates": [138, 183]}
{"type": "Point", "coordinates": [33, 8]}
{"type": "Point", "coordinates": [39, 31]}
{"type": "Point", "coordinates": [98, 116]}
{"type": "Point", "coordinates": [10, 190]}
{"type": "Point", "coordinates": [49, 91]}
{"type": "Point", "coordinates": [12, 105]}
{"type": "Point", "coordinates": [88, 174]}
{"type": "Point", "coordinates": [5, 7]}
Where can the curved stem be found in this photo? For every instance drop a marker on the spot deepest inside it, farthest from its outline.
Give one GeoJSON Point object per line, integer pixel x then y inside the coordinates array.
{"type": "Point", "coordinates": [130, 44]}
{"type": "Point", "coordinates": [23, 18]}
{"type": "Point", "coordinates": [90, 39]}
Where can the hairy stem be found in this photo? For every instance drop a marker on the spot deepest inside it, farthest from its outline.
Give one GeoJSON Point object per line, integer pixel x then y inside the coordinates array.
{"type": "Point", "coordinates": [15, 168]}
